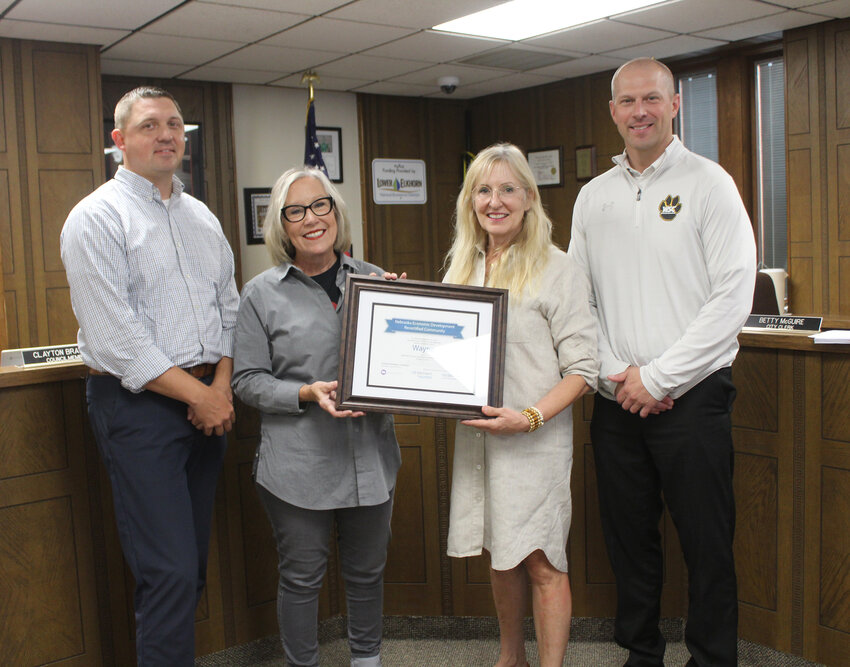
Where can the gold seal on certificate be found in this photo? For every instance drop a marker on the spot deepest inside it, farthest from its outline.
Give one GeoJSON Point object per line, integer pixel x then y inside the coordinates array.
{"type": "Point", "coordinates": [422, 348]}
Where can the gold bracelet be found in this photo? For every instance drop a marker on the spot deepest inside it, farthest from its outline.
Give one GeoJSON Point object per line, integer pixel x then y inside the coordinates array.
{"type": "Point", "coordinates": [535, 418]}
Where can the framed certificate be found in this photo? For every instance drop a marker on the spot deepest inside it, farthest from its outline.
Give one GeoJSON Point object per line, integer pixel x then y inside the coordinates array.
{"type": "Point", "coordinates": [421, 348]}
{"type": "Point", "coordinates": [546, 164]}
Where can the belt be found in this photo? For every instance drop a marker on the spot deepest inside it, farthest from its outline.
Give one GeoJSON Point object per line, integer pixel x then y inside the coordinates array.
{"type": "Point", "coordinates": [199, 371]}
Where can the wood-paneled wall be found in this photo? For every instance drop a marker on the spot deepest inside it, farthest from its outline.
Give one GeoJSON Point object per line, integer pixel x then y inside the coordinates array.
{"type": "Point", "coordinates": [818, 139]}
{"type": "Point", "coordinates": [50, 158]}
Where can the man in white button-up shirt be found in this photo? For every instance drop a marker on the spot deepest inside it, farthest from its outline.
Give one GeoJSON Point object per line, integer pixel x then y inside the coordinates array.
{"type": "Point", "coordinates": [668, 248]}
{"type": "Point", "coordinates": [152, 287]}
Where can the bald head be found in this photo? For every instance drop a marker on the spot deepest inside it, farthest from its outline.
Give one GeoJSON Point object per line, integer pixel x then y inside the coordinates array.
{"type": "Point", "coordinates": [646, 64]}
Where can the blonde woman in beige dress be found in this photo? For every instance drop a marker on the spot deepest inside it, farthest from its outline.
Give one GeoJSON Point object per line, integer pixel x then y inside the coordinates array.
{"type": "Point", "coordinates": [511, 474]}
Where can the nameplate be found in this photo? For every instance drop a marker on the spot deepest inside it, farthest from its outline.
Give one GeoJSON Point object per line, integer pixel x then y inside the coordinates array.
{"type": "Point", "coordinates": [27, 357]}
{"type": "Point", "coordinates": [782, 324]}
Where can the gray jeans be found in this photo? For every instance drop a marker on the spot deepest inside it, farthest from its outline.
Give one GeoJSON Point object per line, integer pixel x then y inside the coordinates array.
{"type": "Point", "coordinates": [302, 537]}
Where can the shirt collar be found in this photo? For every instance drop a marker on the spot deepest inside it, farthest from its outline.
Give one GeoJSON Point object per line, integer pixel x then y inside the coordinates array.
{"type": "Point", "coordinates": [346, 263]}
{"type": "Point", "coordinates": [673, 148]}
{"type": "Point", "coordinates": [143, 187]}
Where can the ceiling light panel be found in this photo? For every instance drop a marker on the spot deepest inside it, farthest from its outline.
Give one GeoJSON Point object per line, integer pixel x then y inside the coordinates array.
{"type": "Point", "coordinates": [521, 19]}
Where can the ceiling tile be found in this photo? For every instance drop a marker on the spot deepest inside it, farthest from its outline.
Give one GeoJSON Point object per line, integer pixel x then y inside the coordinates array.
{"type": "Point", "coordinates": [395, 88]}
{"type": "Point", "coordinates": [324, 83]}
{"type": "Point", "coordinates": [466, 75]}
{"type": "Point", "coordinates": [213, 73]}
{"type": "Point", "coordinates": [166, 49]}
{"type": "Point", "coordinates": [420, 14]}
{"type": "Point", "coordinates": [139, 68]}
{"type": "Point", "coordinates": [506, 83]}
{"type": "Point", "coordinates": [208, 21]}
{"type": "Point", "coordinates": [435, 47]}
{"type": "Point", "coordinates": [336, 35]}
{"type": "Point", "coordinates": [692, 15]}
{"type": "Point", "coordinates": [370, 67]}
{"type": "Point", "coordinates": [582, 66]}
{"type": "Point", "coordinates": [666, 48]}
{"type": "Point", "coordinates": [838, 9]}
{"type": "Point", "coordinates": [273, 58]}
{"type": "Point", "coordinates": [773, 23]}
{"type": "Point", "coordinates": [5, 4]}
{"type": "Point", "coordinates": [598, 36]}
{"type": "Point", "coordinates": [314, 7]}
{"type": "Point", "coordinates": [54, 32]}
{"type": "Point", "coordinates": [96, 13]}
{"type": "Point", "coordinates": [517, 58]}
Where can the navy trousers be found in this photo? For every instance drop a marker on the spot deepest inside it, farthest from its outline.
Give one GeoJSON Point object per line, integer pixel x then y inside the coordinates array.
{"type": "Point", "coordinates": [163, 473]}
{"type": "Point", "coordinates": [685, 454]}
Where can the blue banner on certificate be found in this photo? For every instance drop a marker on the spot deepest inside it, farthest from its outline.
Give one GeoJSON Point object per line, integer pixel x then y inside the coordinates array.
{"type": "Point", "coordinates": [417, 347]}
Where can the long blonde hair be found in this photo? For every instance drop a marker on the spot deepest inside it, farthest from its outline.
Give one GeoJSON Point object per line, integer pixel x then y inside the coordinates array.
{"type": "Point", "coordinates": [522, 263]}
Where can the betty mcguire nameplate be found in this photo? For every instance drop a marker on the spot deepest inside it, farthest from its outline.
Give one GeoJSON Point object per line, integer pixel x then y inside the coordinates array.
{"type": "Point", "coordinates": [421, 348]}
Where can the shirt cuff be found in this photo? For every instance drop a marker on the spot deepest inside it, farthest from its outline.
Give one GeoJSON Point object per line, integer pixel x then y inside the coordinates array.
{"type": "Point", "coordinates": [286, 396]}
{"type": "Point", "coordinates": [228, 338]}
{"type": "Point", "coordinates": [608, 387]}
{"type": "Point", "coordinates": [651, 385]}
{"type": "Point", "coordinates": [144, 369]}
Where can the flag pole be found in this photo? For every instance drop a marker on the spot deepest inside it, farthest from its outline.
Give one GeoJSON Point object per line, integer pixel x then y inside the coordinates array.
{"type": "Point", "coordinates": [309, 78]}
{"type": "Point", "coordinates": [312, 147]}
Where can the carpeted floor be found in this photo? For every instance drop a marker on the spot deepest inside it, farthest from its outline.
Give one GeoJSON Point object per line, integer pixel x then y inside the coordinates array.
{"type": "Point", "coordinates": [444, 641]}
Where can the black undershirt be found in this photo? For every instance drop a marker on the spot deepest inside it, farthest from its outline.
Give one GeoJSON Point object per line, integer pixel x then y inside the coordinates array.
{"type": "Point", "coordinates": [327, 281]}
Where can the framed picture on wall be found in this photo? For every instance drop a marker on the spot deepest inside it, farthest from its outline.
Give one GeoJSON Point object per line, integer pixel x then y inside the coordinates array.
{"type": "Point", "coordinates": [546, 164]}
{"type": "Point", "coordinates": [256, 205]}
{"type": "Point", "coordinates": [585, 162]}
{"type": "Point", "coordinates": [330, 140]}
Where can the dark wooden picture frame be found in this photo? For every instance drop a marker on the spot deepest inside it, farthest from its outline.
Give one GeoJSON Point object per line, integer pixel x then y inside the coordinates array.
{"type": "Point", "coordinates": [547, 165]}
{"type": "Point", "coordinates": [256, 203]}
{"type": "Point", "coordinates": [413, 294]}
{"type": "Point", "coordinates": [585, 163]}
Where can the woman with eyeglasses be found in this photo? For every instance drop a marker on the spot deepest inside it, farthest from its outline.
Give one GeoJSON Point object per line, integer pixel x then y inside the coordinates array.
{"type": "Point", "coordinates": [511, 475]}
{"type": "Point", "coordinates": [315, 465]}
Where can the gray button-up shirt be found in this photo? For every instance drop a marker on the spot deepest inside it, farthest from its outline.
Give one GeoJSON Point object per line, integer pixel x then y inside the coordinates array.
{"type": "Point", "coordinates": [288, 335]}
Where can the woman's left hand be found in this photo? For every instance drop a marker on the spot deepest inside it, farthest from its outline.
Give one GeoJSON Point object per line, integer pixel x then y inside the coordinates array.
{"type": "Point", "coordinates": [391, 276]}
{"type": "Point", "coordinates": [506, 422]}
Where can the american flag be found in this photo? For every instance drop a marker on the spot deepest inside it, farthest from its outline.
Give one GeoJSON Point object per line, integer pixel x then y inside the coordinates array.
{"type": "Point", "coordinates": [312, 148]}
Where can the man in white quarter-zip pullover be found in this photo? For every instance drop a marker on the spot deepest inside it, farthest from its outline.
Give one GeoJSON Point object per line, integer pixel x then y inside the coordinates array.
{"type": "Point", "coordinates": [668, 248]}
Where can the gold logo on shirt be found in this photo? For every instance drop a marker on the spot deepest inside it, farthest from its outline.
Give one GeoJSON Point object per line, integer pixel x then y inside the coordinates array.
{"type": "Point", "coordinates": [669, 207]}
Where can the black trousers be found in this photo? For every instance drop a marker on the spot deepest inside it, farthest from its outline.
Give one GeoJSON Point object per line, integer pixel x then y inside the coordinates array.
{"type": "Point", "coordinates": [686, 455]}
{"type": "Point", "coordinates": [163, 473]}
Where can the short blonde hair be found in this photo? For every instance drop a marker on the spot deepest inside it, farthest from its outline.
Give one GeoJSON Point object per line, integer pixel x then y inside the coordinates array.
{"type": "Point", "coordinates": [524, 260]}
{"type": "Point", "coordinates": [274, 230]}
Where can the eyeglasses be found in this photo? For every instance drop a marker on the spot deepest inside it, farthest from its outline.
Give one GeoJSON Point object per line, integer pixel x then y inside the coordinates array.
{"type": "Point", "coordinates": [296, 212]}
{"type": "Point", "coordinates": [506, 191]}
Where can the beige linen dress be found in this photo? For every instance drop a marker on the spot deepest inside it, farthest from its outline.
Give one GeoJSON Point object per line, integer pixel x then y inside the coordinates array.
{"type": "Point", "coordinates": [511, 494]}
